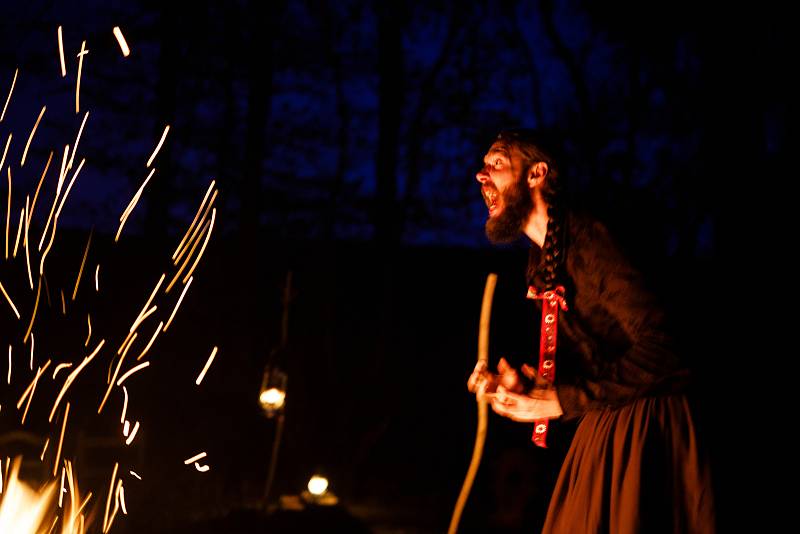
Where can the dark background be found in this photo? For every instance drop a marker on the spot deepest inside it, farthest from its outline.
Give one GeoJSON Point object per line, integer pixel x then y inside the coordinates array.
{"type": "Point", "coordinates": [344, 138]}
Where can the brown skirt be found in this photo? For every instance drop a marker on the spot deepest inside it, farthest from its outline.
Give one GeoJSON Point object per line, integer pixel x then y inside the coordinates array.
{"type": "Point", "coordinates": [634, 469]}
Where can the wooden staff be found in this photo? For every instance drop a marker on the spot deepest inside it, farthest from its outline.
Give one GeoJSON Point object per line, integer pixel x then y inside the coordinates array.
{"type": "Point", "coordinates": [483, 412]}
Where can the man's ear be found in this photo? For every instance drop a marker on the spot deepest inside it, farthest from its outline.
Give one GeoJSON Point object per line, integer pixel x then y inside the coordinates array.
{"type": "Point", "coordinates": [537, 173]}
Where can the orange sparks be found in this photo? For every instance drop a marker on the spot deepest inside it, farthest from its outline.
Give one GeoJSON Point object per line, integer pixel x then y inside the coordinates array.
{"type": "Point", "coordinates": [32, 389]}
{"type": "Point", "coordinates": [185, 261]}
{"type": "Point", "coordinates": [5, 151]}
{"type": "Point", "coordinates": [13, 82]}
{"type": "Point", "coordinates": [83, 262]}
{"type": "Point", "coordinates": [126, 428]}
{"type": "Point", "coordinates": [197, 229]}
{"type": "Point", "coordinates": [135, 199]}
{"type": "Point", "coordinates": [194, 221]}
{"type": "Point", "coordinates": [61, 439]}
{"type": "Point", "coordinates": [124, 404]}
{"type": "Point", "coordinates": [62, 490]}
{"type": "Point", "coordinates": [122, 499]}
{"type": "Point", "coordinates": [61, 53]}
{"type": "Point", "coordinates": [58, 212]}
{"type": "Point", "coordinates": [152, 339]}
{"type": "Point", "coordinates": [25, 242]}
{"type": "Point", "coordinates": [130, 344]}
{"type": "Point", "coordinates": [110, 494]}
{"type": "Point", "coordinates": [58, 192]}
{"type": "Point", "coordinates": [9, 365]}
{"type": "Point", "coordinates": [208, 364]}
{"type": "Point", "coordinates": [30, 137]}
{"type": "Point", "coordinates": [127, 345]}
{"type": "Point", "coordinates": [134, 474]}
{"type": "Point", "coordinates": [177, 305]}
{"type": "Point", "coordinates": [133, 434]}
{"type": "Point", "coordinates": [132, 204]}
{"type": "Point", "coordinates": [89, 335]}
{"type": "Point", "coordinates": [33, 343]}
{"type": "Point", "coordinates": [77, 140]}
{"type": "Point", "coordinates": [19, 232]}
{"type": "Point", "coordinates": [123, 45]}
{"type": "Point", "coordinates": [128, 338]}
{"type": "Point", "coordinates": [201, 468]}
{"type": "Point", "coordinates": [66, 193]}
{"type": "Point", "coordinates": [158, 147]}
{"type": "Point", "coordinates": [8, 211]}
{"type": "Point", "coordinates": [38, 187]}
{"type": "Point", "coordinates": [202, 249]}
{"type": "Point", "coordinates": [32, 385]}
{"type": "Point", "coordinates": [71, 484]}
{"type": "Point", "coordinates": [10, 302]}
{"type": "Point", "coordinates": [141, 318]}
{"type": "Point", "coordinates": [132, 371]}
{"type": "Point", "coordinates": [195, 458]}
{"type": "Point", "coordinates": [82, 53]}
{"type": "Point", "coordinates": [96, 278]}
{"type": "Point", "coordinates": [35, 308]}
{"type": "Point", "coordinates": [46, 251]}
{"type": "Point", "coordinates": [71, 377]}
{"type": "Point", "coordinates": [59, 367]}
{"type": "Point", "coordinates": [116, 504]}
{"type": "Point", "coordinates": [63, 303]}
{"type": "Point", "coordinates": [149, 300]}
{"type": "Point", "coordinates": [79, 514]}
{"type": "Point", "coordinates": [44, 450]}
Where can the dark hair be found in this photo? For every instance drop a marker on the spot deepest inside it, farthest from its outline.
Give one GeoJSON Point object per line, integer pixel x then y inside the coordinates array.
{"type": "Point", "coordinates": [535, 146]}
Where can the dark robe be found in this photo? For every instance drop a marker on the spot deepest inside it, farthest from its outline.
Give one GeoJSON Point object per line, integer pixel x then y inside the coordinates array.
{"type": "Point", "coordinates": [634, 464]}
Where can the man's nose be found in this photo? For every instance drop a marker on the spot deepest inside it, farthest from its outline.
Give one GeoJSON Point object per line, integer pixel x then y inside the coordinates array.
{"type": "Point", "coordinates": [482, 176]}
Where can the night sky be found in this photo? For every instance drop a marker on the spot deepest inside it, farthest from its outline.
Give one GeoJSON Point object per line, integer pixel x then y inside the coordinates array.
{"type": "Point", "coordinates": [344, 138]}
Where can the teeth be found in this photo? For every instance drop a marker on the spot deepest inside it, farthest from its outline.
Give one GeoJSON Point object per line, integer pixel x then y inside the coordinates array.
{"type": "Point", "coordinates": [490, 196]}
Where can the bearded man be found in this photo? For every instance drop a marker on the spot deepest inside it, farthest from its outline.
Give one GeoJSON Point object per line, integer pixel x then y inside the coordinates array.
{"type": "Point", "coordinates": [634, 464]}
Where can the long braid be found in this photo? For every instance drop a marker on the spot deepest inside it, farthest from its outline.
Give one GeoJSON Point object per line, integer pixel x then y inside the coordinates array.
{"type": "Point", "coordinates": [549, 271]}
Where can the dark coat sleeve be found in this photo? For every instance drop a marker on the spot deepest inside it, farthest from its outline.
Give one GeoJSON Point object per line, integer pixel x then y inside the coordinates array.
{"type": "Point", "coordinates": [618, 326]}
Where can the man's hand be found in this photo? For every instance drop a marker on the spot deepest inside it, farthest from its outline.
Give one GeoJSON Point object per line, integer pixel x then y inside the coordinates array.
{"type": "Point", "coordinates": [481, 381]}
{"type": "Point", "coordinates": [539, 404]}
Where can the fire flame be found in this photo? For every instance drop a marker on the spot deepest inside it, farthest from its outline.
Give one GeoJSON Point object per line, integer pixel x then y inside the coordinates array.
{"type": "Point", "coordinates": [24, 510]}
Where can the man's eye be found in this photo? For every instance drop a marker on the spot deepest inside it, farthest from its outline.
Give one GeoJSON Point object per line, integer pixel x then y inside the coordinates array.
{"type": "Point", "coordinates": [498, 162]}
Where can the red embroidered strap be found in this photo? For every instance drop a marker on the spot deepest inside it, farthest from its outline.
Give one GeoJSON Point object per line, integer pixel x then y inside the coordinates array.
{"type": "Point", "coordinates": [551, 302]}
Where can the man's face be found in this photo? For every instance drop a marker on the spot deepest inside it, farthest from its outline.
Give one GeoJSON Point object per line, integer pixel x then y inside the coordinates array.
{"type": "Point", "coordinates": [505, 192]}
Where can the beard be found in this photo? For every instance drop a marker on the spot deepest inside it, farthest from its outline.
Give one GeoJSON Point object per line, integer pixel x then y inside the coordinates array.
{"type": "Point", "coordinates": [507, 226]}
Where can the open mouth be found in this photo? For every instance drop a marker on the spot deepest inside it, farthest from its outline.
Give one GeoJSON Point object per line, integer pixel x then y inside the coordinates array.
{"type": "Point", "coordinates": [490, 196]}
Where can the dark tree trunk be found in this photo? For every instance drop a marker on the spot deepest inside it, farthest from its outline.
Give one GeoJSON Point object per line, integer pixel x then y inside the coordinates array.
{"type": "Point", "coordinates": [388, 224]}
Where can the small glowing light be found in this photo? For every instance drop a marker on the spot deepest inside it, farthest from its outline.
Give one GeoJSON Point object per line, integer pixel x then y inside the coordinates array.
{"type": "Point", "coordinates": [272, 394]}
{"type": "Point", "coordinates": [318, 485]}
{"type": "Point", "coordinates": [272, 398]}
